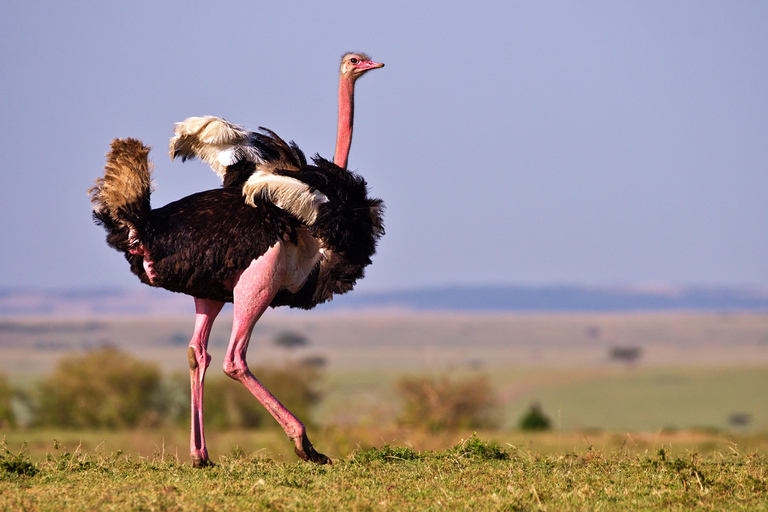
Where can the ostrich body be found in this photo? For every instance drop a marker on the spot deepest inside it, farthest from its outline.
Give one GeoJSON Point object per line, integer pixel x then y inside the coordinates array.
{"type": "Point", "coordinates": [279, 232]}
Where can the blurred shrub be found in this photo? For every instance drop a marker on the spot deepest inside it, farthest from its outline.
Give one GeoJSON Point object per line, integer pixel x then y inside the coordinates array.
{"type": "Point", "coordinates": [535, 419]}
{"type": "Point", "coordinates": [7, 417]}
{"type": "Point", "coordinates": [442, 403]}
{"type": "Point", "coordinates": [102, 388]}
{"type": "Point", "coordinates": [228, 404]}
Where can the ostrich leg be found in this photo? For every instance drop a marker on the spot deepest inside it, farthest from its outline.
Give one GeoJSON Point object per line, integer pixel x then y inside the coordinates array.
{"type": "Point", "coordinates": [254, 289]}
{"type": "Point", "coordinates": [205, 313]}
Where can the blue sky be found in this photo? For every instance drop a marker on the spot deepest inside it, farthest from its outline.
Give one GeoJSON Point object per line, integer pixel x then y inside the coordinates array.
{"type": "Point", "coordinates": [590, 143]}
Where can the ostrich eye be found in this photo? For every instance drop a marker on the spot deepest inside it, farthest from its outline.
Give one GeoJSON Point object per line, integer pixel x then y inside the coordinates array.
{"type": "Point", "coordinates": [353, 60]}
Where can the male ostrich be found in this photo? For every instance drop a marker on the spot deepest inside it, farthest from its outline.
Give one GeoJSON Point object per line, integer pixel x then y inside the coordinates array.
{"type": "Point", "coordinates": [279, 232]}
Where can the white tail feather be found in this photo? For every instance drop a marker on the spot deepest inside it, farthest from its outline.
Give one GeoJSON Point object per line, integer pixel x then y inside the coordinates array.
{"type": "Point", "coordinates": [287, 193]}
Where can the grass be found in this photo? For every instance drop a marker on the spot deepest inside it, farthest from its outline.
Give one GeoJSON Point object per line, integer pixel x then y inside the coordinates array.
{"type": "Point", "coordinates": [696, 371]}
{"type": "Point", "coordinates": [642, 399]}
{"type": "Point", "coordinates": [341, 442]}
{"type": "Point", "coordinates": [474, 474]}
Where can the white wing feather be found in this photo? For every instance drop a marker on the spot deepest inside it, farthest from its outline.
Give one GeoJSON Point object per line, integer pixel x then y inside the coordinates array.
{"type": "Point", "coordinates": [221, 144]}
{"type": "Point", "coordinates": [287, 193]}
{"type": "Point", "coordinates": [215, 141]}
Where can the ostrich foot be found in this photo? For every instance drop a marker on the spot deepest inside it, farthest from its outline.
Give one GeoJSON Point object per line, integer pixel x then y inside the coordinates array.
{"type": "Point", "coordinates": [201, 461]}
{"type": "Point", "coordinates": [306, 451]}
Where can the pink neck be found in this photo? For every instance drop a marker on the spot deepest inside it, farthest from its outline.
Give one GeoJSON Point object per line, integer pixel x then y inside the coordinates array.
{"type": "Point", "coordinates": [346, 115]}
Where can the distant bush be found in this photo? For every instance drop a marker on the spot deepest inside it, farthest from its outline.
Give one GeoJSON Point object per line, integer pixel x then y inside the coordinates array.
{"type": "Point", "coordinates": [386, 453]}
{"type": "Point", "coordinates": [228, 404]}
{"type": "Point", "coordinates": [15, 464]}
{"type": "Point", "coordinates": [535, 419]}
{"type": "Point", "coordinates": [442, 403]}
{"type": "Point", "coordinates": [102, 388]}
{"type": "Point", "coordinates": [7, 417]}
{"type": "Point", "coordinates": [107, 388]}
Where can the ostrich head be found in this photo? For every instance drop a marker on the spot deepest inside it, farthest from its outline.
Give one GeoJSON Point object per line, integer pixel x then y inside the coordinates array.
{"type": "Point", "coordinates": [355, 65]}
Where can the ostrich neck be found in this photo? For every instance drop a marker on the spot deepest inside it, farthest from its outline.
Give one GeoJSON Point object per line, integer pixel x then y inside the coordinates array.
{"type": "Point", "coordinates": [346, 115]}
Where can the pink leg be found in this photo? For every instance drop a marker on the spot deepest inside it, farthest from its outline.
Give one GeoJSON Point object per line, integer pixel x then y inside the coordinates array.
{"type": "Point", "coordinates": [205, 313]}
{"type": "Point", "coordinates": [253, 291]}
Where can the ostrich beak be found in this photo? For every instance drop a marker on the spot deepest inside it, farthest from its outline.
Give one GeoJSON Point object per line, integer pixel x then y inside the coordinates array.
{"type": "Point", "coordinates": [369, 64]}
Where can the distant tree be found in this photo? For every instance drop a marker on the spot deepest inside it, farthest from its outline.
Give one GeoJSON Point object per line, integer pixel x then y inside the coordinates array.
{"type": "Point", "coordinates": [316, 362]}
{"type": "Point", "coordinates": [101, 388]}
{"type": "Point", "coordinates": [291, 340]}
{"type": "Point", "coordinates": [535, 419]}
{"type": "Point", "coordinates": [626, 355]}
{"type": "Point", "coordinates": [739, 420]}
{"type": "Point", "coordinates": [7, 417]}
{"type": "Point", "coordinates": [593, 332]}
{"type": "Point", "coordinates": [179, 338]}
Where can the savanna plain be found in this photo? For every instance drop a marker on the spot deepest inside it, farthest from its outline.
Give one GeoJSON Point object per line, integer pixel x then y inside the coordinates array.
{"type": "Point", "coordinates": [643, 411]}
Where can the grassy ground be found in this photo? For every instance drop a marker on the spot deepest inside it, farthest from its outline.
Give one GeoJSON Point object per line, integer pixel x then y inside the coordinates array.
{"type": "Point", "coordinates": [341, 442]}
{"type": "Point", "coordinates": [696, 373]}
{"type": "Point", "coordinates": [472, 475]}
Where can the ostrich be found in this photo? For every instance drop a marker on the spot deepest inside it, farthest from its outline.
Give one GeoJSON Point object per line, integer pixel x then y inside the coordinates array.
{"type": "Point", "coordinates": [280, 232]}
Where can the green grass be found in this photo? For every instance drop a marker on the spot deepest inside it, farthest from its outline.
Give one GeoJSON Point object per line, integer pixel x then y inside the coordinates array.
{"type": "Point", "coordinates": [341, 442]}
{"type": "Point", "coordinates": [471, 475]}
{"type": "Point", "coordinates": [642, 399]}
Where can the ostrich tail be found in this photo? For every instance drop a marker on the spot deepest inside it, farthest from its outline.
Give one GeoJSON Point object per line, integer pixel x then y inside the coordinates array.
{"type": "Point", "coordinates": [121, 198]}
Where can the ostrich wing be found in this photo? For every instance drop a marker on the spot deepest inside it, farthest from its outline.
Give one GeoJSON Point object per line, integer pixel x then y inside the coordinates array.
{"type": "Point", "coordinates": [255, 161]}
{"type": "Point", "coordinates": [218, 142]}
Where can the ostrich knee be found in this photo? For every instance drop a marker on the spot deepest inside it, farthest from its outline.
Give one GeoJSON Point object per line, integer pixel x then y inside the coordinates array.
{"type": "Point", "coordinates": [198, 358]}
{"type": "Point", "coordinates": [236, 370]}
